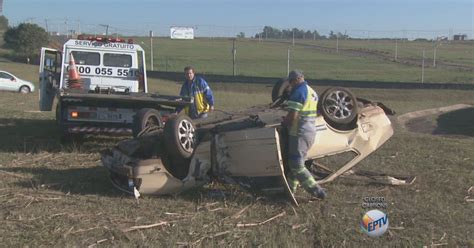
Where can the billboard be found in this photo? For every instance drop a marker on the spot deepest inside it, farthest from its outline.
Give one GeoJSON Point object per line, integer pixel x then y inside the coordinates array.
{"type": "Point", "coordinates": [182, 33]}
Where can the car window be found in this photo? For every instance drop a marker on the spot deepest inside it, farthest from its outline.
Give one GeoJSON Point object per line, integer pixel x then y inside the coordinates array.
{"type": "Point", "coordinates": [117, 60]}
{"type": "Point", "coordinates": [5, 75]}
{"type": "Point", "coordinates": [86, 58]}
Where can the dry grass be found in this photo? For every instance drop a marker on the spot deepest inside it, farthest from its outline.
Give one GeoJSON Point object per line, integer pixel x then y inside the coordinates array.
{"type": "Point", "coordinates": [53, 195]}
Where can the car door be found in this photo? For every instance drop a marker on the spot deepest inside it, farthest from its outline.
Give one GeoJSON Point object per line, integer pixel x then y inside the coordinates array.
{"type": "Point", "coordinates": [251, 158]}
{"type": "Point", "coordinates": [50, 72]}
{"type": "Point", "coordinates": [8, 82]}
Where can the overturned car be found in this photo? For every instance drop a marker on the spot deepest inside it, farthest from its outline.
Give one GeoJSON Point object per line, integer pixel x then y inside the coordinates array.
{"type": "Point", "coordinates": [247, 148]}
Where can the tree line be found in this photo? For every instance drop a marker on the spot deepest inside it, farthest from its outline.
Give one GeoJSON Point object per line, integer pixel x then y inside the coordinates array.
{"type": "Point", "coordinates": [269, 32]}
{"type": "Point", "coordinates": [25, 40]}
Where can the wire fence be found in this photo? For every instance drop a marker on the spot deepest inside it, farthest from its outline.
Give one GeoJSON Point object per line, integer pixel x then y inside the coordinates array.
{"type": "Point", "coordinates": [365, 55]}
{"type": "Point", "coordinates": [362, 60]}
{"type": "Point", "coordinates": [70, 26]}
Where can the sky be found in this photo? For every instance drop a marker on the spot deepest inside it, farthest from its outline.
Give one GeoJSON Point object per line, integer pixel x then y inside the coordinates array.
{"type": "Point", "coordinates": [358, 18]}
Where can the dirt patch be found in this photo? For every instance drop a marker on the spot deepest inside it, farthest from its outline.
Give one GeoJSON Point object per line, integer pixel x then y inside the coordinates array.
{"type": "Point", "coordinates": [455, 121]}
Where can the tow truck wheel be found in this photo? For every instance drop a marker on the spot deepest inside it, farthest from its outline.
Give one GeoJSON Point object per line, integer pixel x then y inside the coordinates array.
{"type": "Point", "coordinates": [281, 89]}
{"type": "Point", "coordinates": [339, 108]}
{"type": "Point", "coordinates": [180, 136]}
{"type": "Point", "coordinates": [67, 138]}
{"type": "Point", "coordinates": [146, 120]}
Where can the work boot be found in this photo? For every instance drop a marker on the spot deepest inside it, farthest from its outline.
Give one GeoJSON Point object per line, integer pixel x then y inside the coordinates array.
{"type": "Point", "coordinates": [319, 192]}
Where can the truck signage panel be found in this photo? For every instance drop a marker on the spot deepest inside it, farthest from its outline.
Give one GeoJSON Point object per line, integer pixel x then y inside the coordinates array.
{"type": "Point", "coordinates": [98, 44]}
{"type": "Point", "coordinates": [105, 71]}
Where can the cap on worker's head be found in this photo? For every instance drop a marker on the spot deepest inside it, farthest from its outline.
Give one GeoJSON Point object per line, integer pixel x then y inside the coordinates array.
{"type": "Point", "coordinates": [295, 74]}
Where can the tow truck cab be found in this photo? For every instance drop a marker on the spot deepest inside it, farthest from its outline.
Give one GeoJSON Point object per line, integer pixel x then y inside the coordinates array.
{"type": "Point", "coordinates": [111, 65]}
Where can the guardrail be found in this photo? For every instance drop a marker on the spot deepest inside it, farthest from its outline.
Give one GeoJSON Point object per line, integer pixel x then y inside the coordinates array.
{"type": "Point", "coordinates": [214, 78]}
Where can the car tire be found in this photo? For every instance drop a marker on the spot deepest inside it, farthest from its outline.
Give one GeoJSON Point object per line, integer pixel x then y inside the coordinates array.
{"type": "Point", "coordinates": [281, 89]}
{"type": "Point", "coordinates": [180, 136]}
{"type": "Point", "coordinates": [146, 118]}
{"type": "Point", "coordinates": [178, 167]}
{"type": "Point", "coordinates": [339, 108]}
{"type": "Point", "coordinates": [24, 89]}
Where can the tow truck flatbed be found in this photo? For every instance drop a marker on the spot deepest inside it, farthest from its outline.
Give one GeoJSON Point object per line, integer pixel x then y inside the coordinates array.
{"type": "Point", "coordinates": [141, 98]}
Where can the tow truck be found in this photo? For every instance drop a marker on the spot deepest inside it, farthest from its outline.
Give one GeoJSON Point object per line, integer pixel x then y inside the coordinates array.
{"type": "Point", "coordinates": [112, 97]}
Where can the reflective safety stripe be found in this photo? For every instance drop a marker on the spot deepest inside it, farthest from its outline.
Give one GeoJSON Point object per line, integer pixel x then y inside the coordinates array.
{"type": "Point", "coordinates": [292, 182]}
{"type": "Point", "coordinates": [302, 175]}
{"type": "Point", "coordinates": [309, 113]}
{"type": "Point", "coordinates": [100, 130]}
{"type": "Point", "coordinates": [306, 110]}
{"type": "Point", "coordinates": [295, 105]}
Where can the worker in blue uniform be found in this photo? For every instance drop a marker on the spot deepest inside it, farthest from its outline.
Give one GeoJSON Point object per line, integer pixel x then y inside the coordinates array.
{"type": "Point", "coordinates": [301, 121]}
{"type": "Point", "coordinates": [196, 87]}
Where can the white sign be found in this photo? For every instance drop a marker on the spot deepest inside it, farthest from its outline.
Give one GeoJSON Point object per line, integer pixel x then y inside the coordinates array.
{"type": "Point", "coordinates": [182, 33]}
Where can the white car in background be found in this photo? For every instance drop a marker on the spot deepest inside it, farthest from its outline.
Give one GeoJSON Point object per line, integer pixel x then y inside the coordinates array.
{"type": "Point", "coordinates": [10, 82]}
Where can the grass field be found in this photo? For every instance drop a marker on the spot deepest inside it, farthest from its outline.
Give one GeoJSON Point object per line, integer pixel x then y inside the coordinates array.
{"type": "Point", "coordinates": [357, 60]}
{"type": "Point", "coordinates": [449, 52]}
{"type": "Point", "coordinates": [55, 195]}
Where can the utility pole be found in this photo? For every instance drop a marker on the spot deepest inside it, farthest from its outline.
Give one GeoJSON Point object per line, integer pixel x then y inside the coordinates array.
{"type": "Point", "coordinates": [67, 32]}
{"type": "Point", "coordinates": [434, 53]}
{"type": "Point", "coordinates": [46, 25]}
{"type": "Point", "coordinates": [423, 67]}
{"type": "Point", "coordinates": [151, 50]}
{"type": "Point", "coordinates": [337, 43]}
{"type": "Point", "coordinates": [234, 52]}
{"type": "Point", "coordinates": [106, 26]}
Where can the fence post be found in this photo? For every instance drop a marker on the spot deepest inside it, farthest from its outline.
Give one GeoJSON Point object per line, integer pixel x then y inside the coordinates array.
{"type": "Point", "coordinates": [288, 62]}
{"type": "Point", "coordinates": [396, 50]}
{"type": "Point", "coordinates": [293, 42]}
{"type": "Point", "coordinates": [423, 68]}
{"type": "Point", "coordinates": [234, 51]}
{"type": "Point", "coordinates": [151, 49]}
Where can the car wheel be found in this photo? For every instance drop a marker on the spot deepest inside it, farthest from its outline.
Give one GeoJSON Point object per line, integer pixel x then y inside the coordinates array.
{"type": "Point", "coordinates": [339, 108]}
{"type": "Point", "coordinates": [58, 113]}
{"type": "Point", "coordinates": [180, 136]}
{"type": "Point", "coordinates": [25, 89]}
{"type": "Point", "coordinates": [146, 120]}
{"type": "Point", "coordinates": [281, 89]}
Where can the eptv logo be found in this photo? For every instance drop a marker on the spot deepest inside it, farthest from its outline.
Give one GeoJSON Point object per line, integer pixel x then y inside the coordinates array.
{"type": "Point", "coordinates": [374, 223]}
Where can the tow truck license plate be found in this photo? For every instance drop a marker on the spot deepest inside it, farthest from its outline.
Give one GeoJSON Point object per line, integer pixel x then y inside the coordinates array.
{"type": "Point", "coordinates": [108, 116]}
